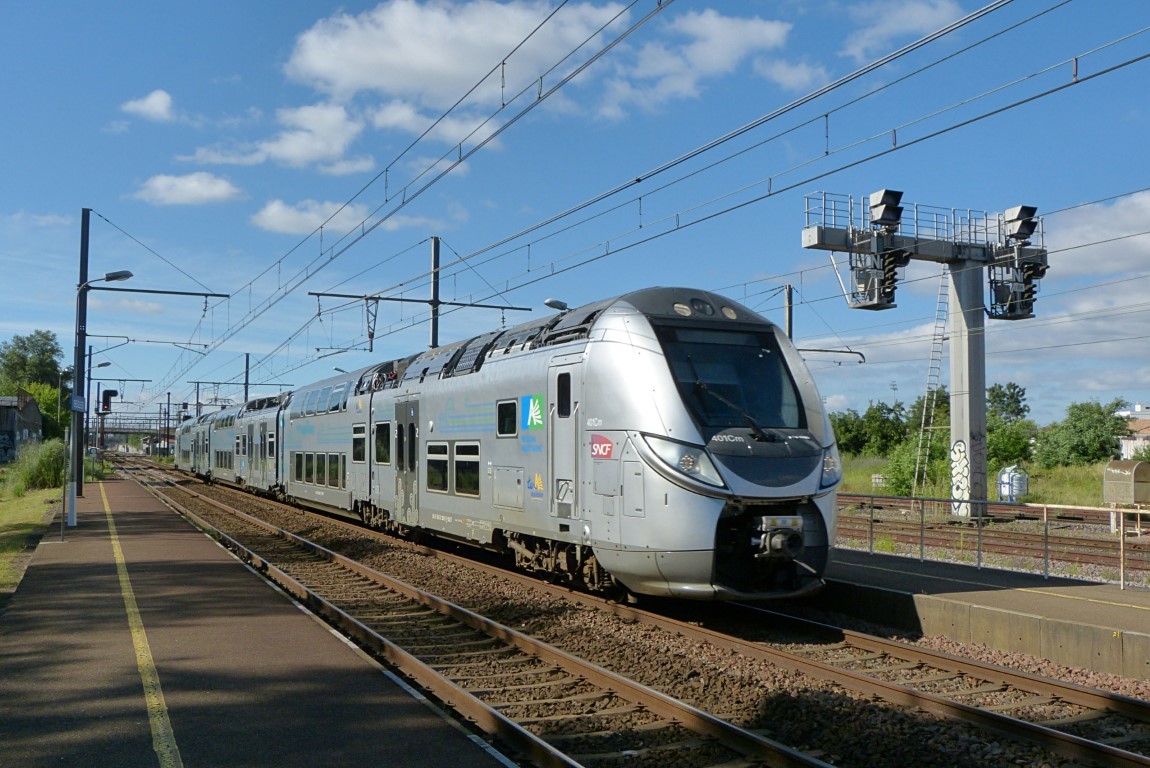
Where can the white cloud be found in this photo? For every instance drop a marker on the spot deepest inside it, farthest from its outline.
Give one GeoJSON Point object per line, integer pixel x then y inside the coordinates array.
{"type": "Point", "coordinates": [1096, 227]}
{"type": "Point", "coordinates": [156, 106]}
{"type": "Point", "coordinates": [703, 45]}
{"type": "Point", "coordinates": [305, 217]}
{"type": "Point", "coordinates": [39, 220]}
{"type": "Point", "coordinates": [317, 133]}
{"type": "Point", "coordinates": [792, 76]}
{"type": "Point", "coordinates": [193, 189]}
{"type": "Point", "coordinates": [430, 53]}
{"type": "Point", "coordinates": [884, 21]}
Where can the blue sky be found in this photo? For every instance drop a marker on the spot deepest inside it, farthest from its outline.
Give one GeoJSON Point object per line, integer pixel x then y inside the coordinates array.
{"type": "Point", "coordinates": [268, 150]}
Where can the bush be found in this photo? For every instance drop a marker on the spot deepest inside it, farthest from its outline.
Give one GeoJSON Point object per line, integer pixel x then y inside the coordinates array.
{"type": "Point", "coordinates": [38, 465]}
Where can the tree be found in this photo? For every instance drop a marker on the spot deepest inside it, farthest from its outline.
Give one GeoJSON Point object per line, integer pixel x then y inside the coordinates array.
{"type": "Point", "coordinates": [941, 418]}
{"type": "Point", "coordinates": [31, 359]}
{"type": "Point", "coordinates": [1007, 402]}
{"type": "Point", "coordinates": [884, 426]}
{"type": "Point", "coordinates": [1008, 442]}
{"type": "Point", "coordinates": [1088, 434]}
{"type": "Point", "coordinates": [849, 432]}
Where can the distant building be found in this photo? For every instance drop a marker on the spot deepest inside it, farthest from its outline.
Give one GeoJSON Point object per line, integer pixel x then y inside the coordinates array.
{"type": "Point", "coordinates": [1139, 438]}
{"type": "Point", "coordinates": [20, 422]}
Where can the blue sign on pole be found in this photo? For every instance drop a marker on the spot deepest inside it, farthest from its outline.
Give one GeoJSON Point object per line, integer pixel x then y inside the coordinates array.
{"type": "Point", "coordinates": [79, 403]}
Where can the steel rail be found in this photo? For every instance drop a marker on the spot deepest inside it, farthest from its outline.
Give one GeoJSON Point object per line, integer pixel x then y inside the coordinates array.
{"type": "Point", "coordinates": [739, 740]}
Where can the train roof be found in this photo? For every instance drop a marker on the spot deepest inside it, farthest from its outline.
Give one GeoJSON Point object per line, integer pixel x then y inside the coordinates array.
{"type": "Point", "coordinates": [469, 355]}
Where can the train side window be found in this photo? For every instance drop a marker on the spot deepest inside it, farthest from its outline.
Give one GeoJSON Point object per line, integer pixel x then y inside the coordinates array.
{"type": "Point", "coordinates": [333, 473]}
{"type": "Point", "coordinates": [467, 469]}
{"type": "Point", "coordinates": [411, 445]}
{"type": "Point", "coordinates": [321, 469]}
{"type": "Point", "coordinates": [506, 419]}
{"type": "Point", "coordinates": [399, 452]}
{"type": "Point", "coordinates": [238, 451]}
{"type": "Point", "coordinates": [309, 468]}
{"type": "Point", "coordinates": [297, 459]}
{"type": "Point", "coordinates": [437, 462]}
{"type": "Point", "coordinates": [312, 399]}
{"type": "Point", "coordinates": [359, 442]}
{"type": "Point", "coordinates": [271, 445]}
{"type": "Point", "coordinates": [383, 442]}
{"type": "Point", "coordinates": [563, 391]}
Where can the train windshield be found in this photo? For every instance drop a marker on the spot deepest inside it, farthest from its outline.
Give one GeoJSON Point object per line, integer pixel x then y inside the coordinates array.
{"type": "Point", "coordinates": [732, 378]}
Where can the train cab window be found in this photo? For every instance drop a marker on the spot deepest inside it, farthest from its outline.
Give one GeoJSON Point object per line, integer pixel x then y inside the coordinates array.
{"type": "Point", "coordinates": [359, 442]}
{"type": "Point", "coordinates": [467, 469]}
{"type": "Point", "coordinates": [333, 473]}
{"type": "Point", "coordinates": [506, 419]}
{"type": "Point", "coordinates": [437, 462]}
{"type": "Point", "coordinates": [563, 391]}
{"type": "Point", "coordinates": [383, 442]}
{"type": "Point", "coordinates": [321, 469]}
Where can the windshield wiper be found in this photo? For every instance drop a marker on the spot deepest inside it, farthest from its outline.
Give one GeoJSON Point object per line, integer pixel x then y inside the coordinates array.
{"type": "Point", "coordinates": [759, 432]}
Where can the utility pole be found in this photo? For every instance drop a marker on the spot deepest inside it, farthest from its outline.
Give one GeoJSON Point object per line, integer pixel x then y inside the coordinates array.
{"type": "Point", "coordinates": [878, 243]}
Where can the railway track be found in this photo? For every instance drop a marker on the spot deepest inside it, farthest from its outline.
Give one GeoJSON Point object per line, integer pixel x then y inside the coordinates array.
{"type": "Point", "coordinates": [1077, 723]}
{"type": "Point", "coordinates": [551, 706]}
{"type": "Point", "coordinates": [1084, 544]}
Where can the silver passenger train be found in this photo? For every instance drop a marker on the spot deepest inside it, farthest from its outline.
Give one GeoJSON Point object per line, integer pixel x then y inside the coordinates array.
{"type": "Point", "coordinates": [669, 442]}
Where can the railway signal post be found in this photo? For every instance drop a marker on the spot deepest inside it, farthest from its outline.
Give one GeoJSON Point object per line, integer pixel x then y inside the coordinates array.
{"type": "Point", "coordinates": [879, 240]}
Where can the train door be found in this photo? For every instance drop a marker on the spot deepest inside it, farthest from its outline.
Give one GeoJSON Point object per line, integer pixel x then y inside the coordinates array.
{"type": "Point", "coordinates": [262, 457]}
{"type": "Point", "coordinates": [563, 394]}
{"type": "Point", "coordinates": [407, 462]}
{"type": "Point", "coordinates": [381, 463]}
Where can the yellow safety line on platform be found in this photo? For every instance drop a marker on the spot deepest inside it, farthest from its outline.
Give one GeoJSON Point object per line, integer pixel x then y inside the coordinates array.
{"type": "Point", "coordinates": [1033, 590]}
{"type": "Point", "coordinates": [163, 739]}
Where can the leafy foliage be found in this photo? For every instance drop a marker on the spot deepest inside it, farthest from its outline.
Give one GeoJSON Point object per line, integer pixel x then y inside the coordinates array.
{"type": "Point", "coordinates": [1006, 403]}
{"type": "Point", "coordinates": [1088, 434]}
{"type": "Point", "coordinates": [38, 465]}
{"type": "Point", "coordinates": [31, 359]}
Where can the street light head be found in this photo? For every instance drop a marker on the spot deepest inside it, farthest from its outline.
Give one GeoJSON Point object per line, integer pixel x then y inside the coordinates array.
{"type": "Point", "coordinates": [115, 277]}
{"type": "Point", "coordinates": [102, 364]}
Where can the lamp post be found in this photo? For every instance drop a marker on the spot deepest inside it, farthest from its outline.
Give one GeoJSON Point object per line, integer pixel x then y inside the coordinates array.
{"type": "Point", "coordinates": [80, 399]}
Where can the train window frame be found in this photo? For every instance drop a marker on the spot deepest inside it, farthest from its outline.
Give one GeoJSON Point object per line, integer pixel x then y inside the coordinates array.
{"type": "Point", "coordinates": [438, 458]}
{"type": "Point", "coordinates": [563, 395]}
{"type": "Point", "coordinates": [309, 468]}
{"type": "Point", "coordinates": [502, 409]}
{"type": "Point", "coordinates": [400, 447]}
{"type": "Point", "coordinates": [466, 457]}
{"type": "Point", "coordinates": [310, 403]}
{"type": "Point", "coordinates": [359, 443]}
{"type": "Point", "coordinates": [383, 427]}
{"type": "Point", "coordinates": [297, 466]}
{"type": "Point", "coordinates": [335, 397]}
{"type": "Point", "coordinates": [334, 476]}
{"type": "Point", "coordinates": [321, 469]}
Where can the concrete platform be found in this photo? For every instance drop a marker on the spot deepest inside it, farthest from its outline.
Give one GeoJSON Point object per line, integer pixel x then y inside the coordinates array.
{"type": "Point", "coordinates": [1071, 622]}
{"type": "Point", "coordinates": [138, 641]}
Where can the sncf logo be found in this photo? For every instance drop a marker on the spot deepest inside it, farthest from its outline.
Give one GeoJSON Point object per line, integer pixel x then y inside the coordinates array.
{"type": "Point", "coordinates": [601, 447]}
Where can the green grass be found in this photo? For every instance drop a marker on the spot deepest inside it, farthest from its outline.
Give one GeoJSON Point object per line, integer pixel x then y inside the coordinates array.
{"type": "Point", "coordinates": [1072, 486]}
{"type": "Point", "coordinates": [23, 521]}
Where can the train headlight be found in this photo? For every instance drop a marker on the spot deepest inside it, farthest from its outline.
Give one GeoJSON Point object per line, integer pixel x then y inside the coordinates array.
{"type": "Point", "coordinates": [832, 467]}
{"type": "Point", "coordinates": [689, 460]}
